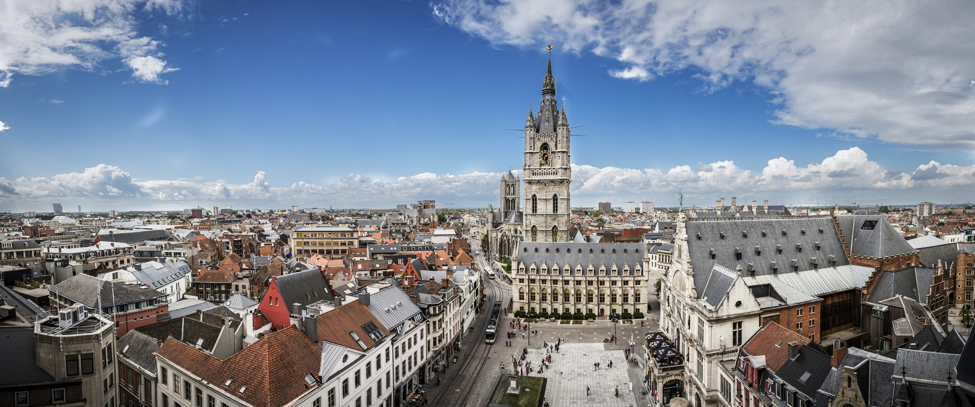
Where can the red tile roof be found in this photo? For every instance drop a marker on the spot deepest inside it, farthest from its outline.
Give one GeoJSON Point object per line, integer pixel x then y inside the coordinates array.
{"type": "Point", "coordinates": [334, 326]}
{"type": "Point", "coordinates": [273, 368]}
{"type": "Point", "coordinates": [765, 340]}
{"type": "Point", "coordinates": [225, 274]}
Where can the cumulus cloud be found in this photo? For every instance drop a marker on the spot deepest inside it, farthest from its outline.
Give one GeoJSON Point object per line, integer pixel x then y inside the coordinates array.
{"type": "Point", "coordinates": [848, 172]}
{"type": "Point", "coordinates": [41, 37]}
{"type": "Point", "coordinates": [3, 126]}
{"type": "Point", "coordinates": [896, 71]}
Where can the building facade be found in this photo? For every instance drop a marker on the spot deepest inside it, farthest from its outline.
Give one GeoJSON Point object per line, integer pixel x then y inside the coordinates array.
{"type": "Point", "coordinates": [602, 279]}
{"type": "Point", "coordinates": [605, 206]}
{"type": "Point", "coordinates": [324, 240]}
{"type": "Point", "coordinates": [925, 209]}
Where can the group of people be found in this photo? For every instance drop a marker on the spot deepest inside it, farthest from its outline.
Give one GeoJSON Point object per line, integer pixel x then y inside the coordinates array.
{"type": "Point", "coordinates": [617, 391]}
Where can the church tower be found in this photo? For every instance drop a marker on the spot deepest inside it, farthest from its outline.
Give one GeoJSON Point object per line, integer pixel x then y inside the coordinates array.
{"type": "Point", "coordinates": [547, 172]}
{"type": "Point", "coordinates": [510, 195]}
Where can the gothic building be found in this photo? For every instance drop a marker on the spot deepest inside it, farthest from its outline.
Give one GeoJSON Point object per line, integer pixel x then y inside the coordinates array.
{"type": "Point", "coordinates": [544, 218]}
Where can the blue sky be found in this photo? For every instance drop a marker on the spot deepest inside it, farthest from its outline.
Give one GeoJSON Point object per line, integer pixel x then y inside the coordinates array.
{"type": "Point", "coordinates": [124, 104]}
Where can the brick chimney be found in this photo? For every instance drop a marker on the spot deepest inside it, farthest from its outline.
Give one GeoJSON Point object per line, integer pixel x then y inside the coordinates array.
{"type": "Point", "coordinates": [793, 349]}
{"type": "Point", "coordinates": [838, 355]}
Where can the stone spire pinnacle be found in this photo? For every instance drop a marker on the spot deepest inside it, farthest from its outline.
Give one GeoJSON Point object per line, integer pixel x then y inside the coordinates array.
{"type": "Point", "coordinates": [548, 86]}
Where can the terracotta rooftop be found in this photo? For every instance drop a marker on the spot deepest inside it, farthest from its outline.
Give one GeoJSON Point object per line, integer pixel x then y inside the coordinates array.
{"type": "Point", "coordinates": [335, 326]}
{"type": "Point", "coordinates": [773, 342]}
{"type": "Point", "coordinates": [225, 274]}
{"type": "Point", "coordinates": [272, 369]}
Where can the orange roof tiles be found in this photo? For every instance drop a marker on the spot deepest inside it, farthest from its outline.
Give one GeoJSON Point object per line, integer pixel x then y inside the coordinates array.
{"type": "Point", "coordinates": [273, 368]}
{"type": "Point", "coordinates": [335, 325]}
{"type": "Point", "coordinates": [765, 340]}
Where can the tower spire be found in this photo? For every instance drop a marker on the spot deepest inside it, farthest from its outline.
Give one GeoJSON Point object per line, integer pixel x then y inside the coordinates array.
{"type": "Point", "coordinates": [548, 85]}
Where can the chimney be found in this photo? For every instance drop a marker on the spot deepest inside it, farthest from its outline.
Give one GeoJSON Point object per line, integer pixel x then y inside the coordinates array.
{"type": "Point", "coordinates": [754, 207]}
{"type": "Point", "coordinates": [364, 298]}
{"type": "Point", "coordinates": [296, 308]}
{"type": "Point", "coordinates": [793, 349]}
{"type": "Point", "coordinates": [717, 205]}
{"type": "Point", "coordinates": [734, 202]}
{"type": "Point", "coordinates": [838, 355]}
{"type": "Point", "coordinates": [766, 205]}
{"type": "Point", "coordinates": [311, 327]}
{"type": "Point", "coordinates": [337, 301]}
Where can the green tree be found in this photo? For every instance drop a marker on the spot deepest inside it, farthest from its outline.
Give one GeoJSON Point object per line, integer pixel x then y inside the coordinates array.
{"type": "Point", "coordinates": [966, 317]}
{"type": "Point", "coordinates": [441, 218]}
{"type": "Point", "coordinates": [883, 209]}
{"type": "Point", "coordinates": [485, 242]}
{"type": "Point", "coordinates": [596, 214]}
{"type": "Point", "coordinates": [656, 288]}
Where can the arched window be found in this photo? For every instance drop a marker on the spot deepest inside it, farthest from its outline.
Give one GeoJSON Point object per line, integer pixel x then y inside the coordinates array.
{"type": "Point", "coordinates": [534, 234]}
{"type": "Point", "coordinates": [555, 204]}
{"type": "Point", "coordinates": [555, 234]}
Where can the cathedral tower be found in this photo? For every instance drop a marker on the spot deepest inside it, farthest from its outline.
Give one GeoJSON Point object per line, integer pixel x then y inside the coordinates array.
{"type": "Point", "coordinates": [547, 172]}
{"type": "Point", "coordinates": [510, 195]}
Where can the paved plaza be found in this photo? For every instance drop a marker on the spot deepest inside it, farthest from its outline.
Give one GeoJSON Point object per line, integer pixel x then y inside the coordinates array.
{"type": "Point", "coordinates": [572, 370]}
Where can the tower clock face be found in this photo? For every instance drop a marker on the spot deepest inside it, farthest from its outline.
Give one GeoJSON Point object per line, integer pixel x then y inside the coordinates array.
{"type": "Point", "coordinates": [545, 157]}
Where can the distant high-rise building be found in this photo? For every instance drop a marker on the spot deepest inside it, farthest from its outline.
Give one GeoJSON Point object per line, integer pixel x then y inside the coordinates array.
{"type": "Point", "coordinates": [58, 210]}
{"type": "Point", "coordinates": [629, 207]}
{"type": "Point", "coordinates": [294, 208]}
{"type": "Point", "coordinates": [113, 214]}
{"type": "Point", "coordinates": [646, 207]}
{"type": "Point", "coordinates": [605, 207]}
{"type": "Point", "coordinates": [196, 213]}
{"type": "Point", "coordinates": [214, 211]}
{"type": "Point", "coordinates": [79, 208]}
{"type": "Point", "coordinates": [925, 209]}
{"type": "Point", "coordinates": [30, 214]}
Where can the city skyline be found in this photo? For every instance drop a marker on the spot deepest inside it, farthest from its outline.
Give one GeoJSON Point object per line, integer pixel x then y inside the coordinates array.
{"type": "Point", "coordinates": [131, 105]}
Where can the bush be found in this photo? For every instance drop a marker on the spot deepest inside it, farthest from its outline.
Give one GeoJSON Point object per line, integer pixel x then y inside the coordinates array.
{"type": "Point", "coordinates": [519, 314]}
{"type": "Point", "coordinates": [566, 315]}
{"type": "Point", "coordinates": [638, 315]}
{"type": "Point", "coordinates": [543, 315]}
{"type": "Point", "coordinates": [577, 316]}
{"type": "Point", "coordinates": [590, 315]}
{"type": "Point", "coordinates": [627, 315]}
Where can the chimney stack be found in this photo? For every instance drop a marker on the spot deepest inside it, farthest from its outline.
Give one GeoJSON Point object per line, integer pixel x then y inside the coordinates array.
{"type": "Point", "coordinates": [766, 205]}
{"type": "Point", "coordinates": [311, 327]}
{"type": "Point", "coordinates": [754, 207]}
{"type": "Point", "coordinates": [793, 349]}
{"type": "Point", "coordinates": [734, 203]}
{"type": "Point", "coordinates": [364, 298]}
{"type": "Point", "coordinates": [838, 355]}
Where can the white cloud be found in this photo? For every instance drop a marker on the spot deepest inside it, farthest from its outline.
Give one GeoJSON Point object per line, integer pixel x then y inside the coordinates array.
{"type": "Point", "coordinates": [898, 71]}
{"type": "Point", "coordinates": [40, 37]}
{"type": "Point", "coordinates": [846, 176]}
{"type": "Point", "coordinates": [3, 126]}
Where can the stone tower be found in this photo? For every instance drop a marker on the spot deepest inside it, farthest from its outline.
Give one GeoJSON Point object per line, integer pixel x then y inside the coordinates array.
{"type": "Point", "coordinates": [547, 172]}
{"type": "Point", "coordinates": [510, 195]}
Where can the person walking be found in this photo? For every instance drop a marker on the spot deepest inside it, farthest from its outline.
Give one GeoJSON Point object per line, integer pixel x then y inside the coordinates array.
{"type": "Point", "coordinates": [617, 391]}
{"type": "Point", "coordinates": [587, 391]}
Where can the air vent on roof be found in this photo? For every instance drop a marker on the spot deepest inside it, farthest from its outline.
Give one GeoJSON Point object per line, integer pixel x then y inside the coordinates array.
{"type": "Point", "coordinates": [817, 246]}
{"type": "Point", "coordinates": [763, 233]}
{"type": "Point", "coordinates": [803, 231]}
{"type": "Point", "coordinates": [799, 247]}
{"type": "Point", "coordinates": [698, 235]}
{"type": "Point", "coordinates": [778, 248]}
{"type": "Point", "coordinates": [783, 232]}
{"type": "Point", "coordinates": [820, 230]}
{"type": "Point", "coordinates": [721, 235]}
{"type": "Point", "coordinates": [712, 253]}
{"type": "Point", "coordinates": [758, 251]}
{"type": "Point", "coordinates": [744, 234]}
{"type": "Point", "coordinates": [737, 254]}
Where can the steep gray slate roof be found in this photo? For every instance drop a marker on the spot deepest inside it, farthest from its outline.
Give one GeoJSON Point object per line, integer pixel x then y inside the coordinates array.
{"type": "Point", "coordinates": [965, 372]}
{"type": "Point", "coordinates": [745, 235]}
{"type": "Point", "coordinates": [391, 307]}
{"type": "Point", "coordinates": [84, 289]}
{"type": "Point", "coordinates": [926, 365]}
{"type": "Point", "coordinates": [303, 287]}
{"type": "Point", "coordinates": [187, 330]}
{"type": "Point", "coordinates": [22, 244]}
{"type": "Point", "coordinates": [188, 306]}
{"type": "Point", "coordinates": [18, 359]}
{"type": "Point", "coordinates": [331, 356]}
{"type": "Point", "coordinates": [138, 348]}
{"type": "Point", "coordinates": [573, 254]}
{"type": "Point", "coordinates": [718, 284]}
{"type": "Point", "coordinates": [947, 253]}
{"type": "Point", "coordinates": [881, 387]}
{"type": "Point", "coordinates": [928, 339]}
{"type": "Point", "coordinates": [514, 218]}
{"type": "Point", "coordinates": [810, 361]}
{"type": "Point", "coordinates": [881, 241]}
{"type": "Point", "coordinates": [953, 343]}
{"type": "Point", "coordinates": [913, 283]}
{"type": "Point", "coordinates": [156, 274]}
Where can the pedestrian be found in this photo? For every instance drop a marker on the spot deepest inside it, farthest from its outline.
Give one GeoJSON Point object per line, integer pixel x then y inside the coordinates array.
{"type": "Point", "coordinates": [587, 391]}
{"type": "Point", "coordinates": [641, 324]}
{"type": "Point", "coordinates": [438, 377]}
{"type": "Point", "coordinates": [617, 391]}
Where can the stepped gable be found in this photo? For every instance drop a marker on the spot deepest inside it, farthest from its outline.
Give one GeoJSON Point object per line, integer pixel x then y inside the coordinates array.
{"type": "Point", "coordinates": [760, 242]}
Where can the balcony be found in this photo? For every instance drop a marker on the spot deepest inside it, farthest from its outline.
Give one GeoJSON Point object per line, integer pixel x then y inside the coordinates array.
{"type": "Point", "coordinates": [549, 173]}
{"type": "Point", "coordinates": [662, 353]}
